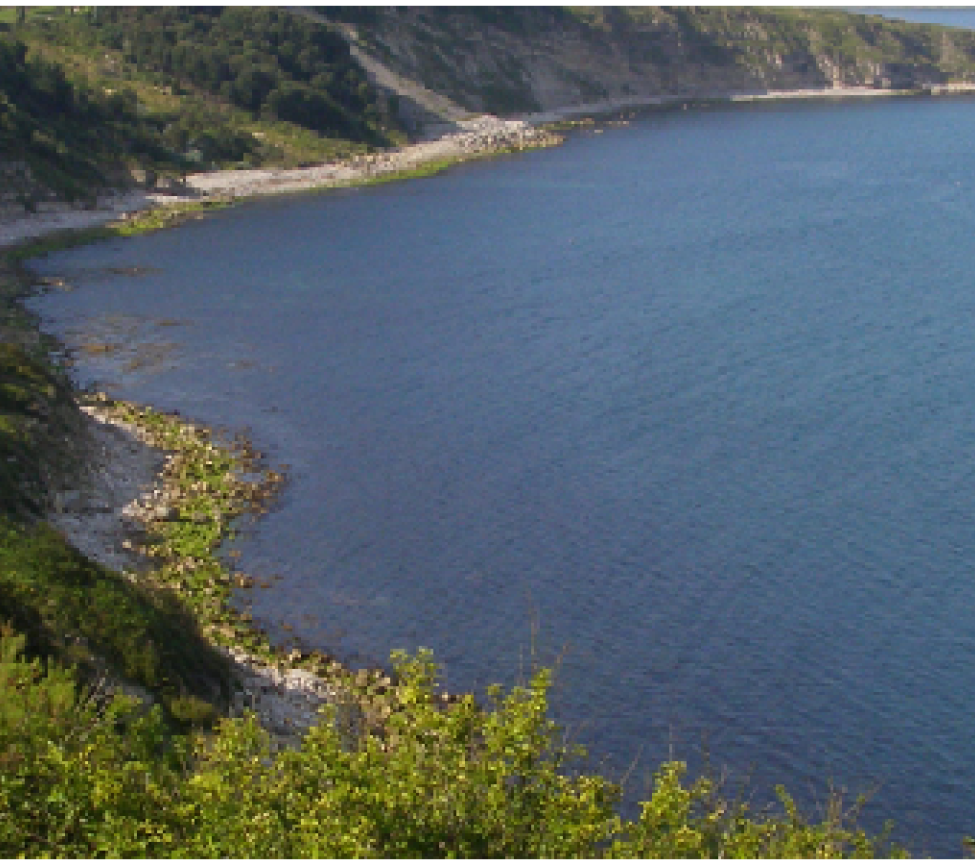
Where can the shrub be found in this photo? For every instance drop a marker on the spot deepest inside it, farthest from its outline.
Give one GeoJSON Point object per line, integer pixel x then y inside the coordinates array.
{"type": "Point", "coordinates": [421, 778]}
{"type": "Point", "coordinates": [433, 779]}
{"type": "Point", "coordinates": [78, 779]}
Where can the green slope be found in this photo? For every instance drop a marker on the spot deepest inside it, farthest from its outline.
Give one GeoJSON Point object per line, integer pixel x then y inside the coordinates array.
{"type": "Point", "coordinates": [88, 94]}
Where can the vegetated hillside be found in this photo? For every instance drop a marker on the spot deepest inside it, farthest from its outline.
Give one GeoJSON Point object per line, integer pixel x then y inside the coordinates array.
{"type": "Point", "coordinates": [89, 93]}
{"type": "Point", "coordinates": [57, 133]}
{"type": "Point", "coordinates": [529, 59]}
{"type": "Point", "coordinates": [264, 60]}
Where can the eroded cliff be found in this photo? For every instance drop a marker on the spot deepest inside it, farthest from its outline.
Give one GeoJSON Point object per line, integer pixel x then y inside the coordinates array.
{"type": "Point", "coordinates": [513, 60]}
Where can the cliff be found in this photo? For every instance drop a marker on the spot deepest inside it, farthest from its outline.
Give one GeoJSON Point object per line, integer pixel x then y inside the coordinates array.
{"type": "Point", "coordinates": [95, 97]}
{"type": "Point", "coordinates": [515, 60]}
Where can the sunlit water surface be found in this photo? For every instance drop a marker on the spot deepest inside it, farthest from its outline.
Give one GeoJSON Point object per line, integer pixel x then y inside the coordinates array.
{"type": "Point", "coordinates": [694, 399]}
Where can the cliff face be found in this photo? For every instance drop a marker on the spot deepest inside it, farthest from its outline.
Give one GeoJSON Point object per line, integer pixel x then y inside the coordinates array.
{"type": "Point", "coordinates": [512, 60]}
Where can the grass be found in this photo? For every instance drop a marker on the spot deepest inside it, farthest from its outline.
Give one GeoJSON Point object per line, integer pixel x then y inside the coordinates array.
{"type": "Point", "coordinates": [86, 616]}
{"type": "Point", "coordinates": [282, 144]}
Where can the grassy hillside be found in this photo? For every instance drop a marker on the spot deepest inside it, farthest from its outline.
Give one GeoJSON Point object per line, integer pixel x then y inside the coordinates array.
{"type": "Point", "coordinates": [63, 132]}
{"type": "Point", "coordinates": [89, 93]}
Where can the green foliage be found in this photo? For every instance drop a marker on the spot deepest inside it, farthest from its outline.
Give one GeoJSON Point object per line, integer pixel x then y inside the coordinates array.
{"type": "Point", "coordinates": [35, 416]}
{"type": "Point", "coordinates": [77, 779]}
{"type": "Point", "coordinates": [265, 60]}
{"type": "Point", "coordinates": [425, 779]}
{"type": "Point", "coordinates": [203, 139]}
{"type": "Point", "coordinates": [694, 822]}
{"type": "Point", "coordinates": [87, 95]}
{"type": "Point", "coordinates": [73, 609]}
{"type": "Point", "coordinates": [66, 131]}
{"type": "Point", "coordinates": [433, 781]}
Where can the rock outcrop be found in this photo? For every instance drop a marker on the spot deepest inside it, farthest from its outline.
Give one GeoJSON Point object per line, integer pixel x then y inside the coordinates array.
{"type": "Point", "coordinates": [512, 61]}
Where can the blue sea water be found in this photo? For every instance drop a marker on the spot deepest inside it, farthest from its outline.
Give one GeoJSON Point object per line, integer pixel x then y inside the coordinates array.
{"type": "Point", "coordinates": [687, 407]}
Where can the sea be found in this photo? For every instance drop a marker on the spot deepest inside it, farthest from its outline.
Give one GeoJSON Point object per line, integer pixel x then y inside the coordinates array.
{"type": "Point", "coordinates": [683, 408]}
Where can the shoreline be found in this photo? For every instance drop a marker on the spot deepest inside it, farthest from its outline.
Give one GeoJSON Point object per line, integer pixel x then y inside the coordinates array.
{"type": "Point", "coordinates": [119, 512]}
{"type": "Point", "coordinates": [474, 138]}
{"type": "Point", "coordinates": [129, 492]}
{"type": "Point", "coordinates": [636, 103]}
{"type": "Point", "coordinates": [130, 512]}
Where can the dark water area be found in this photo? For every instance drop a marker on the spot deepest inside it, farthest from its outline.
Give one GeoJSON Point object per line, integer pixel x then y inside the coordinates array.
{"type": "Point", "coordinates": [693, 399]}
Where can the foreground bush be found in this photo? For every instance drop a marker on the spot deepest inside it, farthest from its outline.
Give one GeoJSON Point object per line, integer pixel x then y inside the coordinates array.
{"type": "Point", "coordinates": [77, 779]}
{"type": "Point", "coordinates": [404, 776]}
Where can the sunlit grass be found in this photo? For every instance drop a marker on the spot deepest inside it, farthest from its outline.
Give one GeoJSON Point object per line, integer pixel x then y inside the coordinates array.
{"type": "Point", "coordinates": [280, 143]}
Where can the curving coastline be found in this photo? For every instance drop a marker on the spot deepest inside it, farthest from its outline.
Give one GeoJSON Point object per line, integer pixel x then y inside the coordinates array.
{"type": "Point", "coordinates": [129, 490]}
{"type": "Point", "coordinates": [466, 139]}
{"type": "Point", "coordinates": [472, 139]}
{"type": "Point", "coordinates": [133, 488]}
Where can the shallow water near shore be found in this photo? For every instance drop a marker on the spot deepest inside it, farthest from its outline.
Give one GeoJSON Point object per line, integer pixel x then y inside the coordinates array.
{"type": "Point", "coordinates": [695, 397]}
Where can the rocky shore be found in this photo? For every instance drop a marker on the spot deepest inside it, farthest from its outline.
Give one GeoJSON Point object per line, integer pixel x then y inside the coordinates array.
{"type": "Point", "coordinates": [128, 491]}
{"type": "Point", "coordinates": [466, 139]}
{"type": "Point", "coordinates": [125, 492]}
